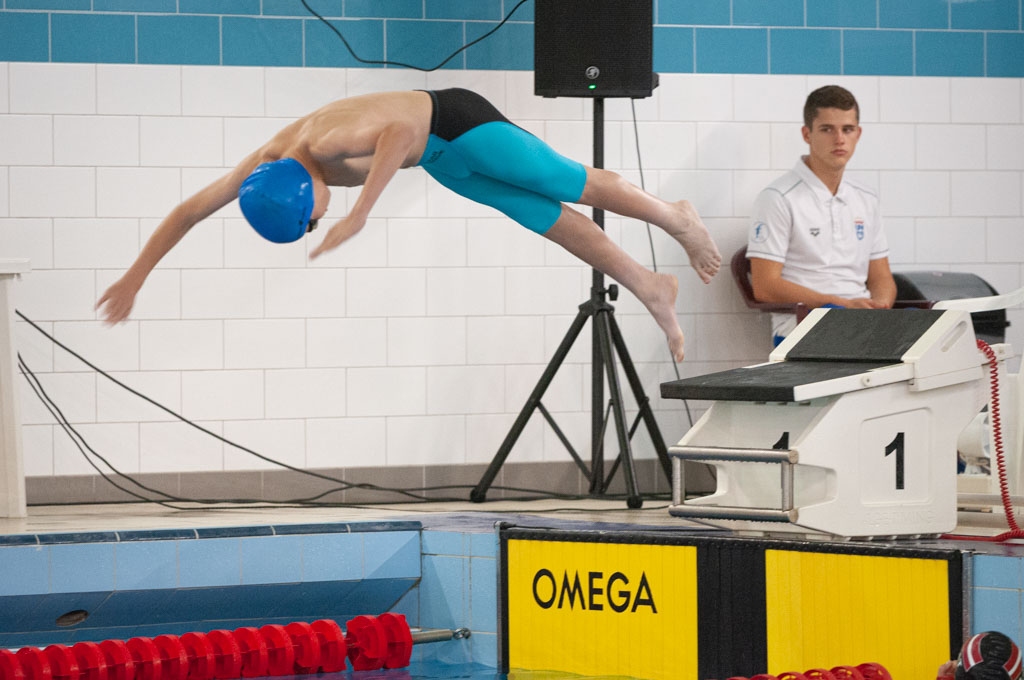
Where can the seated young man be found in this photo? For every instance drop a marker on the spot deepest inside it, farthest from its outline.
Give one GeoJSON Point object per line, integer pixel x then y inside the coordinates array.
{"type": "Point", "coordinates": [816, 237]}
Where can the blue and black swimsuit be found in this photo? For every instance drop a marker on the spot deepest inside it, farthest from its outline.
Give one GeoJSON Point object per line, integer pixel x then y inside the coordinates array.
{"type": "Point", "coordinates": [478, 153]}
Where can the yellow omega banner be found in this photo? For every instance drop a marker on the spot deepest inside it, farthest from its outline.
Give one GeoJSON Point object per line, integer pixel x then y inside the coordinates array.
{"type": "Point", "coordinates": [599, 608]}
{"type": "Point", "coordinates": [825, 606]}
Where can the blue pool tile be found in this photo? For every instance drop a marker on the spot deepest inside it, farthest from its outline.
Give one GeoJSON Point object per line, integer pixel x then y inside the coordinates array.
{"type": "Point", "coordinates": [443, 591]}
{"type": "Point", "coordinates": [67, 574]}
{"type": "Point", "coordinates": [673, 49]}
{"type": "Point", "coordinates": [329, 9]}
{"type": "Point", "coordinates": [251, 7]}
{"type": "Point", "coordinates": [190, 40]}
{"type": "Point", "coordinates": [761, 13]}
{"type": "Point", "coordinates": [509, 48]}
{"type": "Point", "coordinates": [732, 50]}
{"type": "Point", "coordinates": [78, 537]}
{"type": "Point", "coordinates": [483, 589]}
{"type": "Point", "coordinates": [146, 564]}
{"type": "Point", "coordinates": [271, 559]}
{"type": "Point", "coordinates": [332, 557]}
{"type": "Point", "coordinates": [209, 562]}
{"type": "Point", "coordinates": [424, 44]}
{"type": "Point", "coordinates": [148, 6]}
{"type": "Point", "coordinates": [235, 532]}
{"type": "Point", "coordinates": [311, 601]}
{"type": "Point", "coordinates": [694, 12]}
{"type": "Point", "coordinates": [19, 540]}
{"type": "Point", "coordinates": [135, 606]}
{"type": "Point", "coordinates": [24, 36]}
{"type": "Point", "coordinates": [1005, 55]}
{"type": "Point", "coordinates": [391, 554]}
{"type": "Point", "coordinates": [883, 53]}
{"type": "Point", "coordinates": [374, 596]}
{"type": "Point", "coordinates": [997, 610]}
{"type": "Point", "coordinates": [60, 5]}
{"type": "Point", "coordinates": [370, 527]}
{"type": "Point", "coordinates": [392, 9]}
{"type": "Point", "coordinates": [478, 10]}
{"type": "Point", "coordinates": [261, 42]}
{"type": "Point", "coordinates": [843, 13]}
{"type": "Point", "coordinates": [409, 606]}
{"type": "Point", "coordinates": [45, 613]}
{"type": "Point", "coordinates": [484, 545]}
{"type": "Point", "coordinates": [93, 38]}
{"type": "Point", "coordinates": [18, 611]}
{"type": "Point", "coordinates": [991, 571]}
{"type": "Point", "coordinates": [998, 15]}
{"type": "Point", "coordinates": [443, 543]}
{"type": "Point", "coordinates": [949, 53]}
{"type": "Point", "coordinates": [913, 14]}
{"type": "Point", "coordinates": [805, 51]}
{"type": "Point", "coordinates": [326, 528]}
{"type": "Point", "coordinates": [155, 535]}
{"type": "Point", "coordinates": [26, 570]}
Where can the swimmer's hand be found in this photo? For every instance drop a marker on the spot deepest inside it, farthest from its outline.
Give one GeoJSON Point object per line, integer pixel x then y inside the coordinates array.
{"type": "Point", "coordinates": [116, 303]}
{"type": "Point", "coordinates": [343, 229]}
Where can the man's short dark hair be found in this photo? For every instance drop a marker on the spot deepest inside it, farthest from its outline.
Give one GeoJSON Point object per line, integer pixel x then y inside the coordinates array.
{"type": "Point", "coordinates": [829, 97]}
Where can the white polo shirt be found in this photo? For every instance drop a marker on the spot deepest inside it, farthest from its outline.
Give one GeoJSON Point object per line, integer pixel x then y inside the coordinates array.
{"type": "Point", "coordinates": [824, 242]}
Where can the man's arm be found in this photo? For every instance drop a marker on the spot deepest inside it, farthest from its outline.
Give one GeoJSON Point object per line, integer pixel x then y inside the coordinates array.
{"type": "Point", "coordinates": [769, 286]}
{"type": "Point", "coordinates": [390, 152]}
{"type": "Point", "coordinates": [880, 283]}
{"type": "Point", "coordinates": [117, 302]}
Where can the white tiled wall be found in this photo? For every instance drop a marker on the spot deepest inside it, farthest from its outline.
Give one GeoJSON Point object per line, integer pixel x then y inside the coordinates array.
{"type": "Point", "coordinates": [419, 340]}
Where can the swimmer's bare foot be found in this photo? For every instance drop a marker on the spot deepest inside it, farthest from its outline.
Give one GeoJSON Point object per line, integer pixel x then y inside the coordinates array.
{"type": "Point", "coordinates": [661, 303]}
{"type": "Point", "coordinates": [695, 238]}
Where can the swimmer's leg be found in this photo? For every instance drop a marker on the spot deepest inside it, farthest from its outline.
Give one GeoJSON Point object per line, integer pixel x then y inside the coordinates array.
{"type": "Point", "coordinates": [610, 191]}
{"type": "Point", "coordinates": [583, 238]}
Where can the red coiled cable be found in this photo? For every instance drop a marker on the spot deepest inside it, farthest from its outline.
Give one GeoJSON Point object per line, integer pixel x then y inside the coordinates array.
{"type": "Point", "coordinates": [997, 438]}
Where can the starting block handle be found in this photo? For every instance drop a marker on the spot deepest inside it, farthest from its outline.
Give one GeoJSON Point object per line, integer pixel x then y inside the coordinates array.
{"type": "Point", "coordinates": [722, 453]}
{"type": "Point", "coordinates": [732, 512]}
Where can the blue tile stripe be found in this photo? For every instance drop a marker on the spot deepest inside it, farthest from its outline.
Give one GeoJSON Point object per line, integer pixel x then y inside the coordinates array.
{"type": "Point", "coordinates": [836, 37]}
{"type": "Point", "coordinates": [207, 532]}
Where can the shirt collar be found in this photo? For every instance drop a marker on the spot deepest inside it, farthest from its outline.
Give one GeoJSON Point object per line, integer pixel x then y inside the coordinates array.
{"type": "Point", "coordinates": [817, 186]}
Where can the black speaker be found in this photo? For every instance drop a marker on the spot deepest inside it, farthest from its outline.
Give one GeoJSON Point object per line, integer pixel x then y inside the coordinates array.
{"type": "Point", "coordinates": [593, 48]}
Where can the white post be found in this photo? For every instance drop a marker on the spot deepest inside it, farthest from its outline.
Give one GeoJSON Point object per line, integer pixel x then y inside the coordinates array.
{"type": "Point", "coordinates": [12, 469]}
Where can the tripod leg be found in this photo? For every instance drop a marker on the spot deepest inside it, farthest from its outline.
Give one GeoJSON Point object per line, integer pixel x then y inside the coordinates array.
{"type": "Point", "coordinates": [633, 499]}
{"type": "Point", "coordinates": [643, 403]}
{"type": "Point", "coordinates": [479, 492]}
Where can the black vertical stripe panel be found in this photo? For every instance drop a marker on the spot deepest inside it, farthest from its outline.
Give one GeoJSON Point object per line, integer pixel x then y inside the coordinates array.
{"type": "Point", "coordinates": [732, 633]}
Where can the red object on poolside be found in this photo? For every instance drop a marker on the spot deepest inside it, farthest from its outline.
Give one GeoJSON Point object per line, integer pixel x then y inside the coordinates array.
{"type": "Point", "coordinates": [173, 658]}
{"type": "Point", "coordinates": [202, 662]}
{"type": "Point", "coordinates": [10, 667]}
{"type": "Point", "coordinates": [146, 657]}
{"type": "Point", "coordinates": [34, 663]}
{"type": "Point", "coordinates": [280, 651]}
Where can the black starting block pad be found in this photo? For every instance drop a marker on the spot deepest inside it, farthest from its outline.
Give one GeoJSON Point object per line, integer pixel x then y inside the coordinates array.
{"type": "Point", "coordinates": [843, 343]}
{"type": "Point", "coordinates": [764, 382]}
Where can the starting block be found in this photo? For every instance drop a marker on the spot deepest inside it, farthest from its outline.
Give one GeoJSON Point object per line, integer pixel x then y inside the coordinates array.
{"type": "Point", "coordinates": [850, 429]}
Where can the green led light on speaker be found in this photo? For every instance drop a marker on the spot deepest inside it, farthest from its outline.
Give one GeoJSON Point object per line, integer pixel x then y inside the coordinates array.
{"type": "Point", "coordinates": [591, 87]}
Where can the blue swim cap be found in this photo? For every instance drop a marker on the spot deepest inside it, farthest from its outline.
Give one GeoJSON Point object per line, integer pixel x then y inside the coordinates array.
{"type": "Point", "coordinates": [277, 200]}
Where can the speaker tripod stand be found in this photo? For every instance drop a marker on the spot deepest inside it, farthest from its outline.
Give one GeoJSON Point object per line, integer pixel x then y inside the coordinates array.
{"type": "Point", "coordinates": [607, 343]}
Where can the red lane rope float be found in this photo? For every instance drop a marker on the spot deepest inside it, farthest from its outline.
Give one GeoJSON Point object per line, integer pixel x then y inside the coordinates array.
{"type": "Point", "coordinates": [873, 671]}
{"type": "Point", "coordinates": [333, 650]}
{"type": "Point", "coordinates": [202, 662]}
{"type": "Point", "coordinates": [120, 665]}
{"type": "Point", "coordinates": [10, 667]}
{"type": "Point", "coordinates": [91, 664]}
{"type": "Point", "coordinates": [847, 673]}
{"type": "Point", "coordinates": [254, 651]}
{"type": "Point", "coordinates": [995, 416]}
{"type": "Point", "coordinates": [298, 648]}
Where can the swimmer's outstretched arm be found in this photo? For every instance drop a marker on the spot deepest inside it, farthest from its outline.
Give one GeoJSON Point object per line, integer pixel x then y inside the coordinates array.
{"type": "Point", "coordinates": [117, 302]}
{"type": "Point", "coordinates": [390, 153]}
